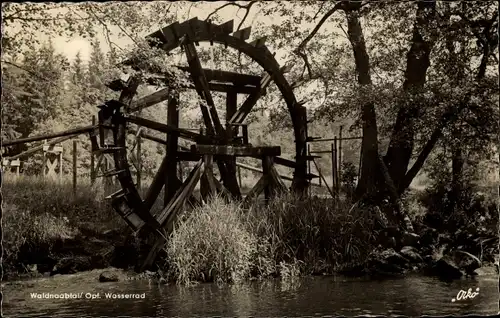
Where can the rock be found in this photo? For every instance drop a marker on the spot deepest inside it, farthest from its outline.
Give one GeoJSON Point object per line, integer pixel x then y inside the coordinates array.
{"type": "Point", "coordinates": [429, 236]}
{"type": "Point", "coordinates": [392, 257]}
{"type": "Point", "coordinates": [410, 239]}
{"type": "Point", "coordinates": [486, 270]}
{"type": "Point", "coordinates": [107, 276]}
{"type": "Point", "coordinates": [446, 267]}
{"type": "Point", "coordinates": [32, 268]}
{"type": "Point", "coordinates": [71, 265]}
{"type": "Point", "coordinates": [411, 254]}
{"type": "Point", "coordinates": [386, 262]}
{"type": "Point", "coordinates": [466, 261]}
{"type": "Point", "coordinates": [444, 239]}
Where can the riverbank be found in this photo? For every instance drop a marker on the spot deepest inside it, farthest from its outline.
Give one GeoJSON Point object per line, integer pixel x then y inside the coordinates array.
{"type": "Point", "coordinates": [50, 231]}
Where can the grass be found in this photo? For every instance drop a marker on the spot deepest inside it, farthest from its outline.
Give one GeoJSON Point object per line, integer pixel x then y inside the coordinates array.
{"type": "Point", "coordinates": [38, 212]}
{"type": "Point", "coordinates": [222, 242]}
{"type": "Point", "coordinates": [219, 241]}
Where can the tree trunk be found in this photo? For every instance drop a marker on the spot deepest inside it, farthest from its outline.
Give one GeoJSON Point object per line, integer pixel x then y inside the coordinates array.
{"type": "Point", "coordinates": [403, 134]}
{"type": "Point", "coordinates": [457, 165]}
{"type": "Point", "coordinates": [368, 182]}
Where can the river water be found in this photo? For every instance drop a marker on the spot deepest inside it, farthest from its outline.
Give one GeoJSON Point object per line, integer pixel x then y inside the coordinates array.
{"type": "Point", "coordinates": [311, 296]}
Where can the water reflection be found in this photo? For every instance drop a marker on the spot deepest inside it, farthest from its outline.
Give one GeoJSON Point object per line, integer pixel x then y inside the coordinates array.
{"type": "Point", "coordinates": [313, 296]}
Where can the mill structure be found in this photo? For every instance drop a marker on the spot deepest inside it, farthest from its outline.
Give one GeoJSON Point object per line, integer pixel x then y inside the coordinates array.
{"type": "Point", "coordinates": [215, 145]}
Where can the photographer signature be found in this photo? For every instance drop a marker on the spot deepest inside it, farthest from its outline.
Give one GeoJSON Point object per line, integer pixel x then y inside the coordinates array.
{"type": "Point", "coordinates": [463, 295]}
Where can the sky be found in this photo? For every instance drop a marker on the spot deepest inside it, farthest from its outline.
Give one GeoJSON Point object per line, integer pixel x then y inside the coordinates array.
{"type": "Point", "coordinates": [71, 46]}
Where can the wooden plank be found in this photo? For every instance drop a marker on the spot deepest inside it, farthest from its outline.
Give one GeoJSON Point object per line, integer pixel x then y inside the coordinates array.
{"type": "Point", "coordinates": [279, 185]}
{"type": "Point", "coordinates": [260, 42]}
{"type": "Point", "coordinates": [156, 39]}
{"type": "Point", "coordinates": [251, 100]}
{"type": "Point", "coordinates": [75, 157]}
{"type": "Point", "coordinates": [181, 195]}
{"type": "Point", "coordinates": [168, 129]}
{"type": "Point", "coordinates": [243, 34]}
{"type": "Point", "coordinates": [256, 190]}
{"type": "Point", "coordinates": [231, 108]}
{"type": "Point", "coordinates": [70, 132]}
{"type": "Point", "coordinates": [324, 180]}
{"type": "Point", "coordinates": [212, 124]}
{"type": "Point", "coordinates": [236, 150]}
{"type": "Point", "coordinates": [40, 147]}
{"type": "Point", "coordinates": [209, 173]}
{"type": "Point", "coordinates": [156, 185]}
{"type": "Point", "coordinates": [150, 100]}
{"type": "Point", "coordinates": [52, 148]}
{"type": "Point", "coordinates": [210, 116]}
{"type": "Point", "coordinates": [213, 86]}
{"type": "Point", "coordinates": [120, 205]}
{"type": "Point", "coordinates": [171, 180]}
{"type": "Point", "coordinates": [226, 27]}
{"type": "Point", "coordinates": [266, 166]}
{"type": "Point", "coordinates": [228, 77]}
{"type": "Point", "coordinates": [187, 156]}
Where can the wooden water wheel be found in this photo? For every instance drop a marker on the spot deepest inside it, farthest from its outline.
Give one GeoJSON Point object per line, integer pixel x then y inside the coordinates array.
{"type": "Point", "coordinates": [220, 145]}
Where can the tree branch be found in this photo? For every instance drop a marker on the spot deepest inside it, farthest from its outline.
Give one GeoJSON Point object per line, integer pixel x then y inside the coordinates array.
{"type": "Point", "coordinates": [327, 15]}
{"type": "Point", "coordinates": [246, 7]}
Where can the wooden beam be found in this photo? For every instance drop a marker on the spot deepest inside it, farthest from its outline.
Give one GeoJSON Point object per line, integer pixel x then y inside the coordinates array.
{"type": "Point", "coordinates": [266, 171]}
{"type": "Point", "coordinates": [231, 108]}
{"type": "Point", "coordinates": [260, 42]}
{"type": "Point", "coordinates": [168, 215]}
{"type": "Point", "coordinates": [236, 151]}
{"type": "Point", "coordinates": [181, 194]}
{"type": "Point", "coordinates": [216, 87]}
{"type": "Point", "coordinates": [156, 186]}
{"type": "Point", "coordinates": [150, 100]}
{"type": "Point", "coordinates": [40, 147]}
{"type": "Point", "coordinates": [210, 116]}
{"type": "Point", "coordinates": [227, 77]}
{"type": "Point", "coordinates": [256, 190]}
{"type": "Point", "coordinates": [168, 129]}
{"type": "Point", "coordinates": [243, 34]}
{"type": "Point", "coordinates": [70, 132]}
{"type": "Point", "coordinates": [251, 100]}
{"type": "Point", "coordinates": [171, 180]}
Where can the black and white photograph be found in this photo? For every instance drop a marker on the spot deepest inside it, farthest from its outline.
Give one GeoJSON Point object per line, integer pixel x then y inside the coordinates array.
{"type": "Point", "coordinates": [250, 158]}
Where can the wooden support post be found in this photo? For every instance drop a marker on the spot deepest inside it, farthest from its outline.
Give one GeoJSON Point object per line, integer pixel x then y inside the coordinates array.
{"type": "Point", "coordinates": [340, 157]}
{"type": "Point", "coordinates": [171, 181]}
{"type": "Point", "coordinates": [245, 134]}
{"type": "Point", "coordinates": [75, 156]}
{"type": "Point", "coordinates": [231, 108]}
{"type": "Point", "coordinates": [309, 166]}
{"type": "Point", "coordinates": [266, 171]}
{"type": "Point", "coordinates": [180, 171]}
{"type": "Point", "coordinates": [44, 162]}
{"type": "Point", "coordinates": [60, 166]}
{"type": "Point", "coordinates": [239, 177]}
{"type": "Point", "coordinates": [336, 175]}
{"type": "Point", "coordinates": [139, 161]}
{"type": "Point", "coordinates": [92, 164]}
